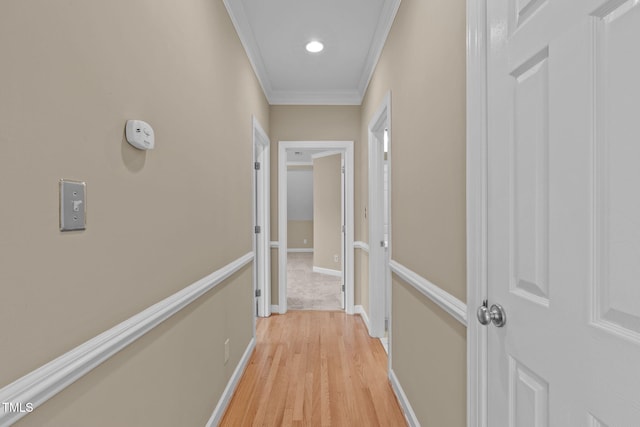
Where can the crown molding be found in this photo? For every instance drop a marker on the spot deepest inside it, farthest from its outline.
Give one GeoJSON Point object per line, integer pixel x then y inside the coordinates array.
{"type": "Point", "coordinates": [236, 11]}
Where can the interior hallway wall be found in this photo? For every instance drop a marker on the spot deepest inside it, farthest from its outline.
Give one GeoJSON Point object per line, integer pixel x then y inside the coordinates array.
{"type": "Point", "coordinates": [423, 65]}
{"type": "Point", "coordinates": [309, 123]}
{"type": "Point", "coordinates": [300, 207]}
{"type": "Point", "coordinates": [72, 73]}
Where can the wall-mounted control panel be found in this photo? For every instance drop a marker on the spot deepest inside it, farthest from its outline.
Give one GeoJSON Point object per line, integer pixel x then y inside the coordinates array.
{"type": "Point", "coordinates": [73, 207]}
{"type": "Point", "coordinates": [140, 134]}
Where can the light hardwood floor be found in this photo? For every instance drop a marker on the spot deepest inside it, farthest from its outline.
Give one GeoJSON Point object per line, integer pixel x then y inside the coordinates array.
{"type": "Point", "coordinates": [314, 368]}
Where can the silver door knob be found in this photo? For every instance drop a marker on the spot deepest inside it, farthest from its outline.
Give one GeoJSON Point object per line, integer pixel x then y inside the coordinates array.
{"type": "Point", "coordinates": [494, 314]}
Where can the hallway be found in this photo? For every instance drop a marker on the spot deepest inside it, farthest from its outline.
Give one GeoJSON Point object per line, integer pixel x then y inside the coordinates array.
{"type": "Point", "coordinates": [314, 368]}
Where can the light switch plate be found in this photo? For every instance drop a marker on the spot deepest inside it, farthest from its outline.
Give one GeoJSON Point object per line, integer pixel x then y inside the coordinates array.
{"type": "Point", "coordinates": [73, 207]}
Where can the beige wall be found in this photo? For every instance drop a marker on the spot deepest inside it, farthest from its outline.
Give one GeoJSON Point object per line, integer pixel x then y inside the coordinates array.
{"type": "Point", "coordinates": [423, 65]}
{"type": "Point", "coordinates": [429, 357]}
{"type": "Point", "coordinates": [298, 232]}
{"type": "Point", "coordinates": [308, 123]}
{"type": "Point", "coordinates": [327, 212]}
{"type": "Point", "coordinates": [72, 74]}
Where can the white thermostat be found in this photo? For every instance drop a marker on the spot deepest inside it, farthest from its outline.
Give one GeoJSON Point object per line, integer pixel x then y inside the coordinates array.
{"type": "Point", "coordinates": [140, 134]}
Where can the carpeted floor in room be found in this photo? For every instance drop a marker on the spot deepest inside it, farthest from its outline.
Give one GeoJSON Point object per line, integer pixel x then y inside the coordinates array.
{"type": "Point", "coordinates": [307, 290]}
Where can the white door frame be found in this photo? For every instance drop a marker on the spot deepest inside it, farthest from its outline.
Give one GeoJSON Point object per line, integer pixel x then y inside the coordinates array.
{"type": "Point", "coordinates": [379, 273]}
{"type": "Point", "coordinates": [345, 147]}
{"type": "Point", "coordinates": [477, 290]}
{"type": "Point", "coordinates": [261, 242]}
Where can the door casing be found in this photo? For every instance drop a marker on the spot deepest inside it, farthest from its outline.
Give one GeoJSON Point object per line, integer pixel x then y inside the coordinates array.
{"type": "Point", "coordinates": [261, 200]}
{"type": "Point", "coordinates": [476, 210]}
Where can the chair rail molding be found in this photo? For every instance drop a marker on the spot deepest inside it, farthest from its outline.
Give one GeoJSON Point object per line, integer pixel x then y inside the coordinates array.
{"type": "Point", "coordinates": [45, 382]}
{"type": "Point", "coordinates": [361, 245]}
{"type": "Point", "coordinates": [442, 298]}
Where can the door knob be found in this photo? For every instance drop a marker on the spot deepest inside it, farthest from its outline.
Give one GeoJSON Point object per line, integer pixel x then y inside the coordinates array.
{"type": "Point", "coordinates": [494, 314]}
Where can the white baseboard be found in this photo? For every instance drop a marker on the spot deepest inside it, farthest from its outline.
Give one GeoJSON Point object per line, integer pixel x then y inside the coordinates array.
{"type": "Point", "coordinates": [300, 250]}
{"type": "Point", "coordinates": [275, 309]}
{"type": "Point", "coordinates": [385, 343]}
{"type": "Point", "coordinates": [410, 416]}
{"type": "Point", "coordinates": [358, 309]}
{"type": "Point", "coordinates": [327, 271]}
{"type": "Point", "coordinates": [227, 394]}
{"type": "Point", "coordinates": [45, 382]}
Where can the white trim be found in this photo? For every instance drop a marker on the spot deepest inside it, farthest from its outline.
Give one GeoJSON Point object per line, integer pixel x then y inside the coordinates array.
{"type": "Point", "coordinates": [476, 171]}
{"type": "Point", "coordinates": [379, 275]}
{"type": "Point", "coordinates": [300, 164]}
{"type": "Point", "coordinates": [325, 154]}
{"type": "Point", "coordinates": [307, 250]}
{"type": "Point", "coordinates": [348, 262]}
{"type": "Point", "coordinates": [327, 271]}
{"type": "Point", "coordinates": [243, 28]}
{"type": "Point", "coordinates": [385, 343]}
{"type": "Point", "coordinates": [358, 309]}
{"type": "Point", "coordinates": [227, 394]}
{"type": "Point", "coordinates": [261, 147]}
{"type": "Point", "coordinates": [275, 308]}
{"type": "Point", "coordinates": [278, 97]}
{"type": "Point", "coordinates": [45, 382]}
{"type": "Point", "coordinates": [361, 245]}
{"type": "Point", "coordinates": [442, 298]}
{"type": "Point", "coordinates": [409, 415]}
{"type": "Point", "coordinates": [387, 16]}
{"type": "Point", "coordinates": [274, 244]}
{"type": "Point", "coordinates": [348, 97]}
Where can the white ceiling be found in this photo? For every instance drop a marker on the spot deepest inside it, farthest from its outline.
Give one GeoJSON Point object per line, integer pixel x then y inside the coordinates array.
{"type": "Point", "coordinates": [274, 34]}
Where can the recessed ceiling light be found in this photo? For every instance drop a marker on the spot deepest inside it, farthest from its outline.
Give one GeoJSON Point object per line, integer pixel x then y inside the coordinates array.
{"type": "Point", "coordinates": [314, 46]}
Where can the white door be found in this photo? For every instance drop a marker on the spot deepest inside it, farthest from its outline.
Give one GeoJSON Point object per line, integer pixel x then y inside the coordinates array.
{"type": "Point", "coordinates": [379, 222]}
{"type": "Point", "coordinates": [343, 235]}
{"type": "Point", "coordinates": [564, 212]}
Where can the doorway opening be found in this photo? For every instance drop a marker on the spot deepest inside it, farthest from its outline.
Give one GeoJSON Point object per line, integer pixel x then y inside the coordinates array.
{"type": "Point", "coordinates": [380, 222]}
{"type": "Point", "coordinates": [315, 210]}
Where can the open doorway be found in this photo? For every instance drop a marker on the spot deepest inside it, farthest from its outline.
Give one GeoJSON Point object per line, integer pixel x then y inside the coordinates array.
{"type": "Point", "coordinates": [315, 194]}
{"type": "Point", "coordinates": [315, 216]}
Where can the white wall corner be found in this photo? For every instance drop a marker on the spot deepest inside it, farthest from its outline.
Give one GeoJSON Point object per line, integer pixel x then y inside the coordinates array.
{"type": "Point", "coordinates": [409, 415]}
{"type": "Point", "coordinates": [227, 394]}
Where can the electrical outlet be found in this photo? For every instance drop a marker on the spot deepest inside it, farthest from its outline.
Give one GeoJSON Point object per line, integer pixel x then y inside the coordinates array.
{"type": "Point", "coordinates": [305, 241]}
{"type": "Point", "coordinates": [226, 351]}
{"type": "Point", "coordinates": [335, 258]}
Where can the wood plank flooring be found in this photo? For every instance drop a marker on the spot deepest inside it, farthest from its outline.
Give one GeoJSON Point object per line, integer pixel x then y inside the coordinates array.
{"type": "Point", "coordinates": [314, 368]}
